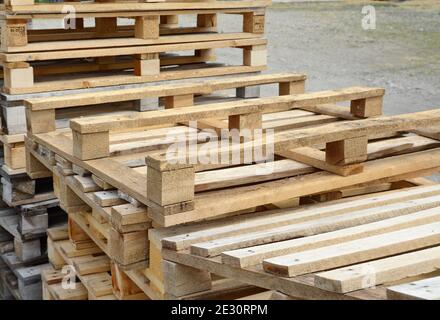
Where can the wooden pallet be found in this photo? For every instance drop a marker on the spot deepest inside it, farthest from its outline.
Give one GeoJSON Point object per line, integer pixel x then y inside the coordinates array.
{"type": "Point", "coordinates": [41, 70]}
{"type": "Point", "coordinates": [23, 246]}
{"type": "Point", "coordinates": [22, 279]}
{"type": "Point", "coordinates": [13, 153]}
{"type": "Point", "coordinates": [28, 6]}
{"type": "Point", "coordinates": [154, 26]}
{"type": "Point", "coordinates": [346, 171]}
{"type": "Point", "coordinates": [18, 189]}
{"type": "Point", "coordinates": [113, 211]}
{"type": "Point", "coordinates": [83, 260]}
{"type": "Point", "coordinates": [353, 250]}
{"type": "Point", "coordinates": [103, 279]}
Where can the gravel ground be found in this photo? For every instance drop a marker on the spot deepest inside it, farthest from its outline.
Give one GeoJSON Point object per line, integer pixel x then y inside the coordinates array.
{"type": "Point", "coordinates": [326, 41]}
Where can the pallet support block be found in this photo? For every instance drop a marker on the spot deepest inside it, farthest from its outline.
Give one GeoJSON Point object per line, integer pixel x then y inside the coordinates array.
{"type": "Point", "coordinates": [205, 54]}
{"type": "Point", "coordinates": [184, 100]}
{"type": "Point", "coordinates": [13, 33]}
{"type": "Point", "coordinates": [169, 21]}
{"type": "Point", "coordinates": [248, 92]}
{"type": "Point", "coordinates": [246, 124]}
{"type": "Point", "coordinates": [106, 25]}
{"type": "Point", "coordinates": [34, 168]}
{"type": "Point", "coordinates": [369, 107]}
{"type": "Point", "coordinates": [27, 250]}
{"type": "Point", "coordinates": [255, 56]}
{"type": "Point", "coordinates": [147, 104]}
{"type": "Point", "coordinates": [68, 198]}
{"type": "Point", "coordinates": [17, 191]}
{"type": "Point", "coordinates": [14, 155]}
{"type": "Point", "coordinates": [180, 280]}
{"type": "Point", "coordinates": [293, 87]}
{"type": "Point", "coordinates": [147, 27]}
{"type": "Point", "coordinates": [33, 224]}
{"type": "Point", "coordinates": [123, 287]}
{"type": "Point", "coordinates": [14, 119]}
{"type": "Point", "coordinates": [130, 247]}
{"type": "Point", "coordinates": [18, 77]}
{"type": "Point", "coordinates": [253, 22]}
{"type": "Point", "coordinates": [147, 64]}
{"type": "Point", "coordinates": [348, 151]}
{"type": "Point", "coordinates": [207, 20]}
{"type": "Point", "coordinates": [88, 146]}
{"type": "Point", "coordinates": [76, 233]}
{"type": "Point", "coordinates": [40, 121]}
{"type": "Point", "coordinates": [170, 185]}
{"type": "Point", "coordinates": [56, 260]}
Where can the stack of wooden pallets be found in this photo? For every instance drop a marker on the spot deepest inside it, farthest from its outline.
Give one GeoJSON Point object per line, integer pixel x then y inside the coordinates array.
{"type": "Point", "coordinates": [321, 198]}
{"type": "Point", "coordinates": [169, 228]}
{"type": "Point", "coordinates": [155, 46]}
{"type": "Point", "coordinates": [95, 49]}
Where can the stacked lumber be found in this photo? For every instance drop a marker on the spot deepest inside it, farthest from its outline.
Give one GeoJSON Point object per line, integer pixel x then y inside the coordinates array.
{"type": "Point", "coordinates": [108, 52]}
{"type": "Point", "coordinates": [166, 224]}
{"type": "Point", "coordinates": [86, 266]}
{"type": "Point", "coordinates": [23, 247]}
{"type": "Point", "coordinates": [383, 246]}
{"type": "Point", "coordinates": [92, 47]}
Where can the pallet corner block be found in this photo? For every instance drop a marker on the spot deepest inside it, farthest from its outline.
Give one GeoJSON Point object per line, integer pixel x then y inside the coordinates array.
{"type": "Point", "coordinates": [368, 107]}
{"type": "Point", "coordinates": [348, 151]}
{"type": "Point", "coordinates": [94, 145]}
{"type": "Point", "coordinates": [169, 184]}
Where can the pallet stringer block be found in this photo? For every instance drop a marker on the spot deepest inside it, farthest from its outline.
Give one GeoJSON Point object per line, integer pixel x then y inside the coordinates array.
{"type": "Point", "coordinates": [169, 21]}
{"type": "Point", "coordinates": [40, 121]}
{"type": "Point", "coordinates": [184, 100]}
{"type": "Point", "coordinates": [34, 168]}
{"type": "Point", "coordinates": [255, 56]}
{"type": "Point", "coordinates": [369, 107]}
{"type": "Point", "coordinates": [348, 151]}
{"type": "Point", "coordinates": [147, 64]}
{"type": "Point", "coordinates": [88, 146]}
{"type": "Point", "coordinates": [123, 287]}
{"type": "Point", "coordinates": [180, 280]}
{"type": "Point", "coordinates": [130, 247]}
{"type": "Point", "coordinates": [207, 20]}
{"type": "Point", "coordinates": [147, 27]}
{"type": "Point", "coordinates": [253, 22]}
{"type": "Point", "coordinates": [293, 87]}
{"type": "Point", "coordinates": [246, 124]}
{"type": "Point", "coordinates": [169, 184]}
{"type": "Point", "coordinates": [13, 33]}
{"type": "Point", "coordinates": [106, 25]}
{"type": "Point", "coordinates": [18, 75]}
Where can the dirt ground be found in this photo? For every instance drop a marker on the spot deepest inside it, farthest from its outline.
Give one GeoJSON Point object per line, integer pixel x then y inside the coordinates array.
{"type": "Point", "coordinates": [326, 41]}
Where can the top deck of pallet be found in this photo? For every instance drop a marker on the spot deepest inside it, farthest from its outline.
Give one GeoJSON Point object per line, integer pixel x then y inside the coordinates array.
{"type": "Point", "coordinates": [45, 10]}
{"type": "Point", "coordinates": [134, 143]}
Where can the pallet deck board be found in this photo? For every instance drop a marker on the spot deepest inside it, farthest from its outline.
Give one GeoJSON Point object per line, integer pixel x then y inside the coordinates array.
{"type": "Point", "coordinates": [343, 283]}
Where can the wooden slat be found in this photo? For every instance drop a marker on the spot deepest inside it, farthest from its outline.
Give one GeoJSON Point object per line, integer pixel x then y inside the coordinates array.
{"type": "Point", "coordinates": [222, 110]}
{"type": "Point", "coordinates": [133, 6]}
{"type": "Point", "coordinates": [355, 251]}
{"type": "Point", "coordinates": [427, 289]}
{"type": "Point", "coordinates": [380, 271]}
{"type": "Point", "coordinates": [240, 198]}
{"type": "Point", "coordinates": [182, 237]}
{"type": "Point", "coordinates": [127, 50]}
{"type": "Point", "coordinates": [365, 220]}
{"type": "Point", "coordinates": [205, 87]}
